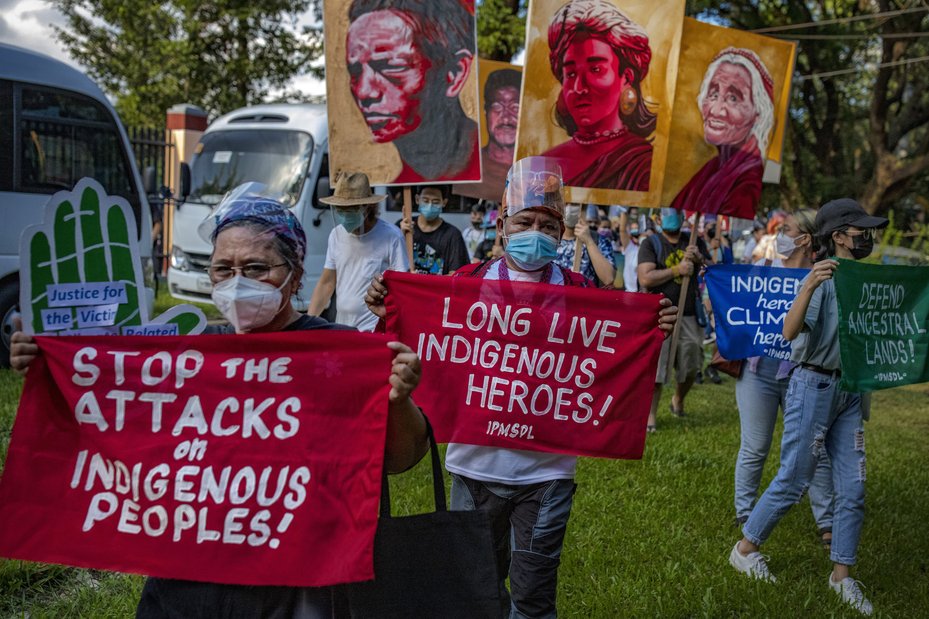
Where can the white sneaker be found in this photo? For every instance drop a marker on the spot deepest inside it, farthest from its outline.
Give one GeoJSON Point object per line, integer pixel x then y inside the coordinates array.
{"type": "Point", "coordinates": [850, 592]}
{"type": "Point", "coordinates": [753, 564]}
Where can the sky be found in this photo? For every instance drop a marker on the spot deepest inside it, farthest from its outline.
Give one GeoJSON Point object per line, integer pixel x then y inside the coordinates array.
{"type": "Point", "coordinates": [28, 23]}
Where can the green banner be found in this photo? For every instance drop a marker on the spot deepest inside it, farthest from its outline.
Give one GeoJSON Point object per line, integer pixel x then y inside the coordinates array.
{"type": "Point", "coordinates": [883, 324]}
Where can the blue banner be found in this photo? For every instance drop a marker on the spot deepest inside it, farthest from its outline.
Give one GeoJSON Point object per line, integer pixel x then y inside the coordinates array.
{"type": "Point", "coordinates": [749, 306]}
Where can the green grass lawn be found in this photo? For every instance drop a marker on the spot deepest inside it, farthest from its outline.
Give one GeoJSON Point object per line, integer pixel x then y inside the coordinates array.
{"type": "Point", "coordinates": [648, 538]}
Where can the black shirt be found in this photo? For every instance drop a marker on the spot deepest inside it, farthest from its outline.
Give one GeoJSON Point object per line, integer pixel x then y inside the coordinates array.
{"type": "Point", "coordinates": [439, 252]}
{"type": "Point", "coordinates": [668, 255]}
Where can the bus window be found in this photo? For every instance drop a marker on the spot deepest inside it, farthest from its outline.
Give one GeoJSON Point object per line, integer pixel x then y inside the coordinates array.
{"type": "Point", "coordinates": [65, 137]}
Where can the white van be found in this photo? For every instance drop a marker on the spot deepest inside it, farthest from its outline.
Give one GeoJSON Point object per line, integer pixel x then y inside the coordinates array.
{"type": "Point", "coordinates": [56, 127]}
{"type": "Point", "coordinates": [283, 146]}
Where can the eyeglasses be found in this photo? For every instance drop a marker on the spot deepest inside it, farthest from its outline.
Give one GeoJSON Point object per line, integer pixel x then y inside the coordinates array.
{"type": "Point", "coordinates": [512, 108]}
{"type": "Point", "coordinates": [869, 234]}
{"type": "Point", "coordinates": [254, 270]}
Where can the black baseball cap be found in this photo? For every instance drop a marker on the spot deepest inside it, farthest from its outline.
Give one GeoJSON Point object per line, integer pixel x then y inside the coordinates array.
{"type": "Point", "coordinates": [842, 213]}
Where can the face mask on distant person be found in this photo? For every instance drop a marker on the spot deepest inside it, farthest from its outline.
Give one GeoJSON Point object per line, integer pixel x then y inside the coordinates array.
{"type": "Point", "coordinates": [633, 232]}
{"type": "Point", "coordinates": [350, 219]}
{"type": "Point", "coordinates": [863, 246]}
{"type": "Point", "coordinates": [430, 211]}
{"type": "Point", "coordinates": [671, 220]}
{"type": "Point", "coordinates": [786, 245]}
{"type": "Point", "coordinates": [248, 303]}
{"type": "Point", "coordinates": [531, 250]}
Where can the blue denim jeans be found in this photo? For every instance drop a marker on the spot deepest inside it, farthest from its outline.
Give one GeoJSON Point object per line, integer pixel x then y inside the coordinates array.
{"type": "Point", "coordinates": [529, 524]}
{"type": "Point", "coordinates": [759, 394]}
{"type": "Point", "coordinates": [818, 416]}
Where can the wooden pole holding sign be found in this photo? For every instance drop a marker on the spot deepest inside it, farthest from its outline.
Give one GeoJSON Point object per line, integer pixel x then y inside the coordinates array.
{"type": "Point", "coordinates": [685, 288]}
{"type": "Point", "coordinates": [576, 267]}
{"type": "Point", "coordinates": [408, 218]}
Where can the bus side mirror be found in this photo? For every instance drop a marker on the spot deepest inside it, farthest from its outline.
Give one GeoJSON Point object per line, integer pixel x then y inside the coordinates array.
{"type": "Point", "coordinates": [149, 181]}
{"type": "Point", "coordinates": [185, 182]}
{"type": "Point", "coordinates": [323, 190]}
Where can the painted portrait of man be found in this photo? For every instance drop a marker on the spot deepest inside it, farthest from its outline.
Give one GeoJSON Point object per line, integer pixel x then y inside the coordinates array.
{"type": "Point", "coordinates": [500, 96]}
{"type": "Point", "coordinates": [407, 64]}
{"type": "Point", "coordinates": [731, 95]}
{"type": "Point", "coordinates": [600, 102]}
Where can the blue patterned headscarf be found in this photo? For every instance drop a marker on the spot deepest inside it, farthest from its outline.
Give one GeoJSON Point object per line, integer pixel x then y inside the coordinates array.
{"type": "Point", "coordinates": [247, 206]}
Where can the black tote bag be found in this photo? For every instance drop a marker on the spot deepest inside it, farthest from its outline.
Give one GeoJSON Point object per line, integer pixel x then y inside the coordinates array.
{"type": "Point", "coordinates": [438, 564]}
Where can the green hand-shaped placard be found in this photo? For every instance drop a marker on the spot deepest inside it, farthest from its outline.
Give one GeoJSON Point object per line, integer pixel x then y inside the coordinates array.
{"type": "Point", "coordinates": [89, 238]}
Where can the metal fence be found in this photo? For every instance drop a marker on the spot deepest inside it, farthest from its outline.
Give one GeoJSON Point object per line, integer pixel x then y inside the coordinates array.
{"type": "Point", "coordinates": [155, 150]}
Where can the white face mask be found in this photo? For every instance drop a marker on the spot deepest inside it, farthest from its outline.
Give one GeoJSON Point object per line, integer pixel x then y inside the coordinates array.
{"type": "Point", "coordinates": [785, 245]}
{"type": "Point", "coordinates": [248, 303]}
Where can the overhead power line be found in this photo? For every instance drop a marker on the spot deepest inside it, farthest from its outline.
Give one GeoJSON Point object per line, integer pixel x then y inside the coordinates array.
{"type": "Point", "coordinates": [893, 63]}
{"type": "Point", "coordinates": [851, 37]}
{"type": "Point", "coordinates": [842, 20]}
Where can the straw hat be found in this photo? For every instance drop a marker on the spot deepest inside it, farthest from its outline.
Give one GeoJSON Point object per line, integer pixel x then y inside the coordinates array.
{"type": "Point", "coordinates": [352, 189]}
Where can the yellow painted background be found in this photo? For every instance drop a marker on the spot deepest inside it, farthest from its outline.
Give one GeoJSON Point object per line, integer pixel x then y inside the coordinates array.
{"type": "Point", "coordinates": [538, 131]}
{"type": "Point", "coordinates": [688, 151]}
{"type": "Point", "coordinates": [351, 147]}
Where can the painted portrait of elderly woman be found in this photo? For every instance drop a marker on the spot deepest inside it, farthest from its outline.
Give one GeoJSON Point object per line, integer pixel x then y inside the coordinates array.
{"type": "Point", "coordinates": [730, 114]}
{"type": "Point", "coordinates": [736, 101]}
{"type": "Point", "coordinates": [600, 57]}
{"type": "Point", "coordinates": [600, 77]}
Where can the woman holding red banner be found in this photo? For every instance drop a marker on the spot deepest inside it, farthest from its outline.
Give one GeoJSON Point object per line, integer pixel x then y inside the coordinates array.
{"type": "Point", "coordinates": [818, 415]}
{"type": "Point", "coordinates": [256, 267]}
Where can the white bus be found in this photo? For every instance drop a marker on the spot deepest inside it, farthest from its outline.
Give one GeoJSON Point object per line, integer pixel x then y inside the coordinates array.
{"type": "Point", "coordinates": [283, 146]}
{"type": "Point", "coordinates": [56, 127]}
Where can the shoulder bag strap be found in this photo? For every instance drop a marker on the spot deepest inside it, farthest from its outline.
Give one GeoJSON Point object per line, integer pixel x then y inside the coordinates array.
{"type": "Point", "coordinates": [438, 486]}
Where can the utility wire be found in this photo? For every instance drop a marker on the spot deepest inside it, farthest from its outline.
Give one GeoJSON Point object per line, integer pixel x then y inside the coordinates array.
{"type": "Point", "coordinates": [893, 63]}
{"type": "Point", "coordinates": [850, 37]}
{"type": "Point", "coordinates": [842, 20]}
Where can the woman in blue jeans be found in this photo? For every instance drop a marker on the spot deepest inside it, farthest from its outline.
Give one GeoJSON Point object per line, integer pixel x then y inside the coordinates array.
{"type": "Point", "coordinates": [818, 415]}
{"type": "Point", "coordinates": [762, 388]}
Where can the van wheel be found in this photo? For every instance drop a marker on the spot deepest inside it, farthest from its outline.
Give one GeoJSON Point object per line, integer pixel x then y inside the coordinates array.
{"type": "Point", "coordinates": [9, 307]}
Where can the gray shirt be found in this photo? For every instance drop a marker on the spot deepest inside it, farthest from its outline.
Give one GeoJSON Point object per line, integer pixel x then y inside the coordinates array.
{"type": "Point", "coordinates": [818, 342]}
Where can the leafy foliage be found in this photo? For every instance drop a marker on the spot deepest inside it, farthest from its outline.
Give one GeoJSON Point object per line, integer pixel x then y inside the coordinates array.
{"type": "Point", "coordinates": [501, 28]}
{"type": "Point", "coordinates": [218, 55]}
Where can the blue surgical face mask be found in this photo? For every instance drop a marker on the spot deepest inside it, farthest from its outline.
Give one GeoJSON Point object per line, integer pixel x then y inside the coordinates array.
{"type": "Point", "coordinates": [430, 211]}
{"type": "Point", "coordinates": [671, 222]}
{"type": "Point", "coordinates": [634, 232]}
{"type": "Point", "coordinates": [531, 250]}
{"type": "Point", "coordinates": [350, 219]}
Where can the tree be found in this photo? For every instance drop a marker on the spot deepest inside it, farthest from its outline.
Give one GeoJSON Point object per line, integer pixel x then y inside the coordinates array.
{"type": "Point", "coordinates": [859, 116]}
{"type": "Point", "coordinates": [219, 55]}
{"type": "Point", "coordinates": [501, 28]}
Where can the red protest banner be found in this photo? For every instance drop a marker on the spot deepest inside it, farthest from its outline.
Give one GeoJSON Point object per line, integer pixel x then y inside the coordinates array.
{"type": "Point", "coordinates": [530, 366]}
{"type": "Point", "coordinates": [246, 459]}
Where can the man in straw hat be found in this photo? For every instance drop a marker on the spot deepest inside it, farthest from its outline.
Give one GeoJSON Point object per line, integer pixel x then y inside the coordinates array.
{"type": "Point", "coordinates": [360, 247]}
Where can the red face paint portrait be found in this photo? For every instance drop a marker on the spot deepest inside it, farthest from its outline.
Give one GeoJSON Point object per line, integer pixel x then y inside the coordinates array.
{"type": "Point", "coordinates": [600, 57]}
{"type": "Point", "coordinates": [408, 61]}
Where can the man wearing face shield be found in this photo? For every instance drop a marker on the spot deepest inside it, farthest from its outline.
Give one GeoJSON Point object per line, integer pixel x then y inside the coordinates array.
{"type": "Point", "coordinates": [438, 247]}
{"type": "Point", "coordinates": [528, 495]}
{"type": "Point", "coordinates": [360, 247]}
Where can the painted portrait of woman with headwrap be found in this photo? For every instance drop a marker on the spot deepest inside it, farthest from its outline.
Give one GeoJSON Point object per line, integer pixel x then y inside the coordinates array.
{"type": "Point", "coordinates": [598, 93]}
{"type": "Point", "coordinates": [730, 114]}
{"type": "Point", "coordinates": [736, 101]}
{"type": "Point", "coordinates": [600, 57]}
